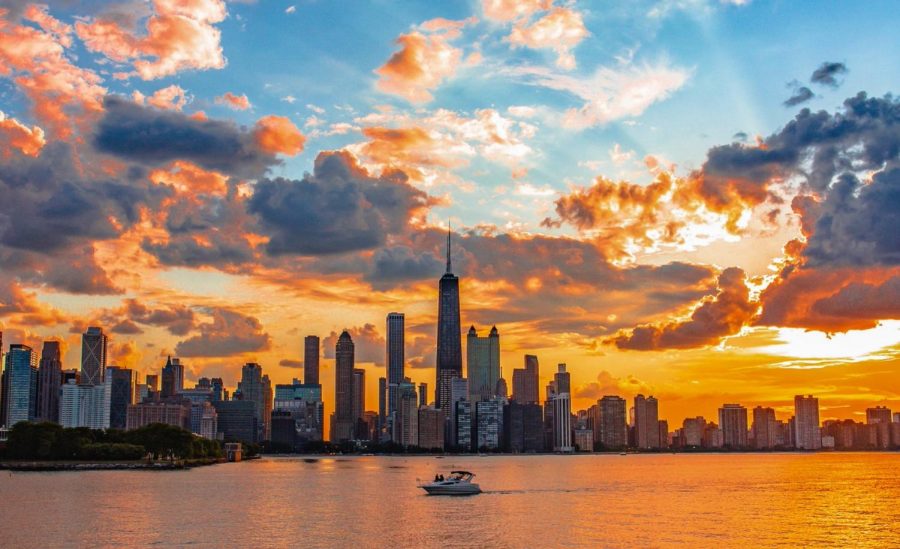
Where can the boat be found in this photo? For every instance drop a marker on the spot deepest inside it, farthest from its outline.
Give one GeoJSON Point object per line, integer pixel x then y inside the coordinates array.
{"type": "Point", "coordinates": [459, 483]}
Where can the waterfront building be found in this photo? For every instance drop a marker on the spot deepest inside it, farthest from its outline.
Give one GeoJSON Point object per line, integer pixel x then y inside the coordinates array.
{"type": "Point", "coordinates": [382, 405]}
{"type": "Point", "coordinates": [93, 356]}
{"type": "Point", "coordinates": [49, 383]}
{"type": "Point", "coordinates": [423, 394]}
{"type": "Point", "coordinates": [395, 356]}
{"type": "Point", "coordinates": [459, 390]}
{"type": "Point", "coordinates": [489, 424]}
{"type": "Point", "coordinates": [169, 412]}
{"type": "Point", "coordinates": [483, 364]}
{"type": "Point", "coordinates": [526, 383]}
{"type": "Point", "coordinates": [359, 403]}
{"type": "Point", "coordinates": [237, 420]}
{"type": "Point", "coordinates": [562, 423]}
{"type": "Point", "coordinates": [406, 427]}
{"type": "Point", "coordinates": [664, 434]}
{"type": "Point", "coordinates": [880, 416]}
{"type": "Point", "coordinates": [692, 432]}
{"type": "Point", "coordinates": [22, 380]}
{"type": "Point", "coordinates": [764, 430]}
{"type": "Point", "coordinates": [256, 387]}
{"type": "Point", "coordinates": [121, 395]}
{"type": "Point", "coordinates": [733, 422]}
{"type": "Point", "coordinates": [153, 382]}
{"type": "Point", "coordinates": [463, 425]}
{"type": "Point", "coordinates": [713, 436]}
{"type": "Point", "coordinates": [172, 378]}
{"type": "Point", "coordinates": [523, 427]}
{"type": "Point", "coordinates": [806, 423]}
{"type": "Point", "coordinates": [311, 360]}
{"type": "Point", "coordinates": [610, 426]}
{"type": "Point", "coordinates": [646, 422]}
{"type": "Point", "coordinates": [431, 428]}
{"type": "Point", "coordinates": [584, 440]}
{"type": "Point", "coordinates": [343, 426]}
{"type": "Point", "coordinates": [449, 344]}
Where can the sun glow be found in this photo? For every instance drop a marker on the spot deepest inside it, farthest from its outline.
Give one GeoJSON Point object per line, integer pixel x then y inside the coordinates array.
{"type": "Point", "coordinates": [853, 344]}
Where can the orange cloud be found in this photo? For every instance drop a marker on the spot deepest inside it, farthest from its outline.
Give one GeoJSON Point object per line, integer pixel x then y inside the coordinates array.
{"type": "Point", "coordinates": [190, 179]}
{"type": "Point", "coordinates": [715, 318]}
{"type": "Point", "coordinates": [170, 98]}
{"type": "Point", "coordinates": [62, 94]}
{"type": "Point", "coordinates": [278, 135]}
{"type": "Point", "coordinates": [180, 35]}
{"type": "Point", "coordinates": [14, 134]}
{"type": "Point", "coordinates": [424, 61]}
{"type": "Point", "coordinates": [560, 30]}
{"type": "Point", "coordinates": [236, 102]}
{"type": "Point", "coordinates": [509, 10]}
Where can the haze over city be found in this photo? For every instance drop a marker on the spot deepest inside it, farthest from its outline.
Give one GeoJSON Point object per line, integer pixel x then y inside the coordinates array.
{"type": "Point", "coordinates": [695, 200]}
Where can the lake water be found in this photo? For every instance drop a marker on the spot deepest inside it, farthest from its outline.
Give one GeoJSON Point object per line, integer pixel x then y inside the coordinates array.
{"type": "Point", "coordinates": [789, 500]}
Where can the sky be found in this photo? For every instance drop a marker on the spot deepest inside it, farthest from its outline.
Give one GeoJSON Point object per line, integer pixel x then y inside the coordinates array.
{"type": "Point", "coordinates": [695, 199]}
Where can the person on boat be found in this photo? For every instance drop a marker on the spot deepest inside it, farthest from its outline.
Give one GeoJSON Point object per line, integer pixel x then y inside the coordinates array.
{"type": "Point", "coordinates": [441, 478]}
{"type": "Point", "coordinates": [436, 478]}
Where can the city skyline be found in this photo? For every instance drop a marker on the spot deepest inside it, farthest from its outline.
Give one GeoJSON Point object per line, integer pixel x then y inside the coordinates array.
{"type": "Point", "coordinates": [690, 200]}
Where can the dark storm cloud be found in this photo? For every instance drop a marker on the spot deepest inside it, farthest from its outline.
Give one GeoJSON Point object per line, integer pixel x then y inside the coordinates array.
{"type": "Point", "coordinates": [801, 95]}
{"type": "Point", "coordinates": [229, 333]}
{"type": "Point", "coordinates": [825, 74]}
{"type": "Point", "coordinates": [861, 300]}
{"type": "Point", "coordinates": [338, 208]}
{"type": "Point", "coordinates": [401, 263]}
{"type": "Point", "coordinates": [857, 224]}
{"type": "Point", "coordinates": [155, 137]}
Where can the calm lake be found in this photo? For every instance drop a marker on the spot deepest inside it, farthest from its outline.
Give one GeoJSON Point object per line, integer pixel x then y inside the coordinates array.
{"type": "Point", "coordinates": [789, 500]}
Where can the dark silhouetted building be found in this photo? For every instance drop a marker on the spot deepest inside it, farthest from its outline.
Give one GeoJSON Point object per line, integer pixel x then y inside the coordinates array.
{"type": "Point", "coordinates": [449, 344]}
{"type": "Point", "coordinates": [172, 378]}
{"type": "Point", "coordinates": [523, 428]}
{"type": "Point", "coordinates": [121, 395]}
{"type": "Point", "coordinates": [526, 382]}
{"type": "Point", "coordinates": [646, 422]}
{"type": "Point", "coordinates": [311, 360]}
{"type": "Point", "coordinates": [237, 420]}
{"type": "Point", "coordinates": [21, 378]}
{"type": "Point", "coordinates": [483, 364]}
{"type": "Point", "coordinates": [49, 383]}
{"type": "Point", "coordinates": [610, 429]}
{"type": "Point", "coordinates": [93, 356]}
{"type": "Point", "coordinates": [395, 357]}
{"type": "Point", "coordinates": [343, 425]}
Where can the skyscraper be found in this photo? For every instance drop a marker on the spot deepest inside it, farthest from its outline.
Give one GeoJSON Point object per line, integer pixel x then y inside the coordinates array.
{"type": "Point", "coordinates": [21, 377]}
{"type": "Point", "coordinates": [93, 356]}
{"type": "Point", "coordinates": [395, 356]}
{"type": "Point", "coordinates": [49, 383]}
{"type": "Point", "coordinates": [252, 390]}
{"type": "Point", "coordinates": [646, 422]}
{"type": "Point", "coordinates": [806, 423]}
{"type": "Point", "coordinates": [880, 417]}
{"type": "Point", "coordinates": [382, 403]}
{"type": "Point", "coordinates": [311, 360]}
{"type": "Point", "coordinates": [483, 363]}
{"type": "Point", "coordinates": [172, 377]}
{"type": "Point", "coordinates": [342, 426]}
{"type": "Point", "coordinates": [526, 384]}
{"type": "Point", "coordinates": [561, 405]}
{"type": "Point", "coordinates": [423, 394]}
{"type": "Point", "coordinates": [449, 344]}
{"type": "Point", "coordinates": [406, 428]}
{"type": "Point", "coordinates": [359, 397]}
{"type": "Point", "coordinates": [121, 395]}
{"type": "Point", "coordinates": [611, 429]}
{"type": "Point", "coordinates": [764, 428]}
{"type": "Point", "coordinates": [733, 421]}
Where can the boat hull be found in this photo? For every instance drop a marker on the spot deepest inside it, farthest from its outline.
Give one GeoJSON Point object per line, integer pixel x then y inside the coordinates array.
{"type": "Point", "coordinates": [455, 490]}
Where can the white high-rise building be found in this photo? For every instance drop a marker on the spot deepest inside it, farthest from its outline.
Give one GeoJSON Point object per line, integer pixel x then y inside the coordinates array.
{"type": "Point", "coordinates": [562, 423]}
{"type": "Point", "coordinates": [85, 405]}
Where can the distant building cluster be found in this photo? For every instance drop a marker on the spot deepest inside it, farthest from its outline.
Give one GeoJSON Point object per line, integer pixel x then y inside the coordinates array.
{"type": "Point", "coordinates": [468, 414]}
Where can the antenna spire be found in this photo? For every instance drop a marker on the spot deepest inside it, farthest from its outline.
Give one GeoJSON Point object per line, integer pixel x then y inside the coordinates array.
{"type": "Point", "coordinates": [448, 247]}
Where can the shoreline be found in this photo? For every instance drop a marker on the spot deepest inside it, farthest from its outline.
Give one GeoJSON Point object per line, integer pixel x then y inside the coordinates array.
{"type": "Point", "coordinates": [34, 466]}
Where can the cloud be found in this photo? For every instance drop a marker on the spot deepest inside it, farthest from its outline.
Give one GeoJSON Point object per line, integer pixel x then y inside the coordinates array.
{"type": "Point", "coordinates": [426, 58]}
{"type": "Point", "coordinates": [368, 345]}
{"type": "Point", "coordinates": [510, 10]}
{"type": "Point", "coordinates": [290, 9]}
{"type": "Point", "coordinates": [338, 208]}
{"type": "Point", "coordinates": [232, 101]}
{"type": "Point", "coordinates": [608, 384]}
{"type": "Point", "coordinates": [64, 97]}
{"type": "Point", "coordinates": [229, 333]}
{"type": "Point", "coordinates": [154, 138]}
{"type": "Point", "coordinates": [561, 30]}
{"type": "Point", "coordinates": [801, 95]}
{"type": "Point", "coordinates": [177, 319]}
{"type": "Point", "coordinates": [278, 135]}
{"type": "Point", "coordinates": [860, 300]}
{"type": "Point", "coordinates": [171, 98]}
{"type": "Point", "coordinates": [178, 36]}
{"type": "Point", "coordinates": [716, 317]}
{"type": "Point", "coordinates": [609, 94]}
{"type": "Point", "coordinates": [826, 73]}
{"type": "Point", "coordinates": [15, 135]}
{"type": "Point", "coordinates": [402, 263]}
{"type": "Point", "coordinates": [288, 363]}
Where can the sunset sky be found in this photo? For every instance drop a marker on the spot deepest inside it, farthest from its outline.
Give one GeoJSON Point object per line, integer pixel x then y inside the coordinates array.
{"type": "Point", "coordinates": [697, 199]}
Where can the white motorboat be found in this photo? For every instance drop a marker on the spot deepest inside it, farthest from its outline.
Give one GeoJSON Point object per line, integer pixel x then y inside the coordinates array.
{"type": "Point", "coordinates": [459, 483]}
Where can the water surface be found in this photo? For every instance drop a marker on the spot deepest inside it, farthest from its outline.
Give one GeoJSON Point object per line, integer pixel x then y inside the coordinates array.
{"type": "Point", "coordinates": [789, 500]}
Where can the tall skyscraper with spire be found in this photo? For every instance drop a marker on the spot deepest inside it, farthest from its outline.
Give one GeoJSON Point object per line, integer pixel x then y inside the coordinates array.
{"type": "Point", "coordinates": [449, 335]}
